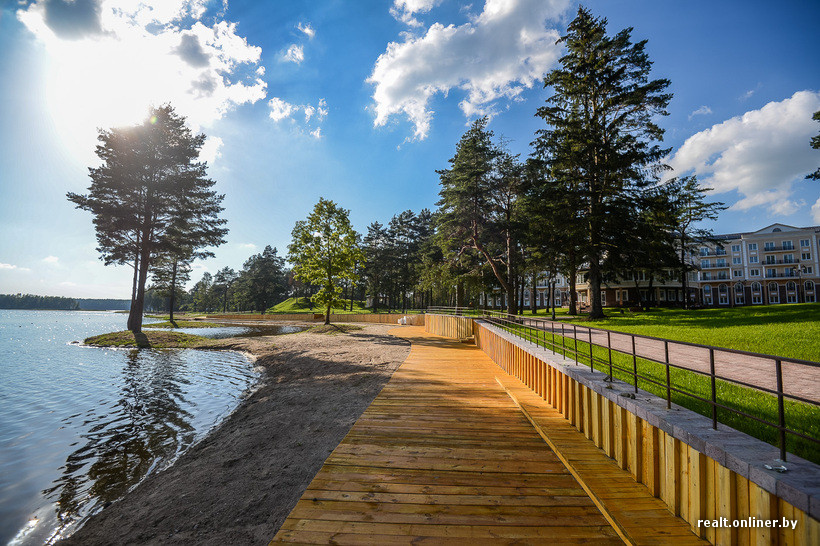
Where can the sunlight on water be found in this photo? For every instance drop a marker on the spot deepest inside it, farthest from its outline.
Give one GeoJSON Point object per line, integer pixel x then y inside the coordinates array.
{"type": "Point", "coordinates": [80, 426]}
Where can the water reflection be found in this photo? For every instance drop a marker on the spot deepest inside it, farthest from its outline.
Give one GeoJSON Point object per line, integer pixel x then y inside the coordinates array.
{"type": "Point", "coordinates": [146, 427]}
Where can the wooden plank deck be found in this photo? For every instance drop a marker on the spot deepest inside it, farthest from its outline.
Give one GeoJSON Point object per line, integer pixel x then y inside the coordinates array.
{"type": "Point", "coordinates": [443, 454]}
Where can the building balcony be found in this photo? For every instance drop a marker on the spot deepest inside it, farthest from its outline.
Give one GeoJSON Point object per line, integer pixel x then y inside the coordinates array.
{"type": "Point", "coordinates": [779, 249]}
{"type": "Point", "coordinates": [717, 278]}
{"type": "Point", "coordinates": [780, 262]}
{"type": "Point", "coordinates": [712, 253]}
{"type": "Point", "coordinates": [717, 266]}
{"type": "Point", "coordinates": [786, 275]}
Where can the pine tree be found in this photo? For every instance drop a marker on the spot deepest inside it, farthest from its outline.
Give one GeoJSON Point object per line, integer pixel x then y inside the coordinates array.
{"type": "Point", "coordinates": [151, 197]}
{"type": "Point", "coordinates": [601, 136]}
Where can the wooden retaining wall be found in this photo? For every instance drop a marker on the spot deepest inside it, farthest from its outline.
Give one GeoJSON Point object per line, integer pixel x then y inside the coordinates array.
{"type": "Point", "coordinates": [381, 318]}
{"type": "Point", "coordinates": [670, 462]}
{"type": "Point", "coordinates": [449, 326]}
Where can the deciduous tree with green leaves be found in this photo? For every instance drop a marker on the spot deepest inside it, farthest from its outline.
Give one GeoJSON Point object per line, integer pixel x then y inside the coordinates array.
{"type": "Point", "coordinates": [324, 252]}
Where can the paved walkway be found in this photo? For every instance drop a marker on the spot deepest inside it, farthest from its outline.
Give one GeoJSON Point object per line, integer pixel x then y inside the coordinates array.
{"type": "Point", "coordinates": [444, 455]}
{"type": "Point", "coordinates": [799, 380]}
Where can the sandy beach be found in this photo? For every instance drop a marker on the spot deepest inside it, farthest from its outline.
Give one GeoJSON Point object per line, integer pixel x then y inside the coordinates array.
{"type": "Point", "coordinates": [239, 483]}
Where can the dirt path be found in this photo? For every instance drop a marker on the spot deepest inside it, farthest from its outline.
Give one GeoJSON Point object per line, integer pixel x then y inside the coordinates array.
{"type": "Point", "coordinates": [238, 484]}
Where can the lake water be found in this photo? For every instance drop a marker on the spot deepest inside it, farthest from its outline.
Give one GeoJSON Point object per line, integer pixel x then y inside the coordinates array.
{"type": "Point", "coordinates": [80, 426]}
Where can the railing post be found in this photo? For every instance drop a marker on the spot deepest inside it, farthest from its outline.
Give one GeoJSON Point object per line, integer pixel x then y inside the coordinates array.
{"type": "Point", "coordinates": [668, 382]}
{"type": "Point", "coordinates": [563, 341]}
{"type": "Point", "coordinates": [714, 389]}
{"type": "Point", "coordinates": [634, 364]}
{"type": "Point", "coordinates": [575, 341]}
{"type": "Point", "coordinates": [609, 350]}
{"type": "Point", "coordinates": [781, 413]}
{"type": "Point", "coordinates": [590, 350]}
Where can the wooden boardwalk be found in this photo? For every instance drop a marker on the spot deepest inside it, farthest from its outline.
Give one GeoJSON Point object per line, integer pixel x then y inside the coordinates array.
{"type": "Point", "coordinates": [444, 455]}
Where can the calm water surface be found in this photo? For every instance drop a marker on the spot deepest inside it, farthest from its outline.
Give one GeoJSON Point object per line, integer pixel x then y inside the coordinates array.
{"type": "Point", "coordinates": [80, 426]}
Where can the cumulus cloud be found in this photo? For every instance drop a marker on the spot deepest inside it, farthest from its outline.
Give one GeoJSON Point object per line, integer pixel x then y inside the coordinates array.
{"type": "Point", "coordinates": [294, 54]}
{"type": "Point", "coordinates": [307, 30]}
{"type": "Point", "coordinates": [759, 154]}
{"type": "Point", "coordinates": [405, 10]}
{"type": "Point", "coordinates": [815, 211]}
{"type": "Point", "coordinates": [51, 259]}
{"type": "Point", "coordinates": [496, 55]}
{"type": "Point", "coordinates": [702, 111]}
{"type": "Point", "coordinates": [13, 267]}
{"type": "Point", "coordinates": [281, 110]}
{"type": "Point", "coordinates": [112, 59]}
{"type": "Point", "coordinates": [211, 150]}
{"type": "Point", "coordinates": [247, 246]}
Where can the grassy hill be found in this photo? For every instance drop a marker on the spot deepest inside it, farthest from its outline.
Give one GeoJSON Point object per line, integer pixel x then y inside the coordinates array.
{"type": "Point", "coordinates": [302, 305]}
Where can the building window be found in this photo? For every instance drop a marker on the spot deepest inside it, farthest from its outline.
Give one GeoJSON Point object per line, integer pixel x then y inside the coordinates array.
{"type": "Point", "coordinates": [757, 297]}
{"type": "Point", "coordinates": [706, 276]}
{"type": "Point", "coordinates": [721, 262]}
{"type": "Point", "coordinates": [809, 286]}
{"type": "Point", "coordinates": [707, 295]}
{"type": "Point", "coordinates": [752, 246]}
{"type": "Point", "coordinates": [704, 263]}
{"type": "Point", "coordinates": [753, 259]}
{"type": "Point", "coordinates": [704, 251]}
{"type": "Point", "coordinates": [737, 273]}
{"type": "Point", "coordinates": [603, 297]}
{"type": "Point", "coordinates": [791, 297]}
{"type": "Point", "coordinates": [720, 251]}
{"type": "Point", "coordinates": [739, 295]}
{"type": "Point", "coordinates": [807, 269]}
{"type": "Point", "coordinates": [737, 260]}
{"type": "Point", "coordinates": [723, 294]}
{"type": "Point", "coordinates": [805, 242]}
{"type": "Point", "coordinates": [791, 286]}
{"type": "Point", "coordinates": [805, 256]}
{"type": "Point", "coordinates": [788, 258]}
{"type": "Point", "coordinates": [754, 272]}
{"type": "Point", "coordinates": [768, 246]}
{"type": "Point", "coordinates": [774, 293]}
{"type": "Point", "coordinates": [788, 245]}
{"type": "Point", "coordinates": [809, 296]}
{"type": "Point", "coordinates": [735, 248]}
{"type": "Point", "coordinates": [771, 273]}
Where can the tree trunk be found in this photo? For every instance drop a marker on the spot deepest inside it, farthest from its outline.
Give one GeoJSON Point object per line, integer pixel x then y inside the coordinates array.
{"type": "Point", "coordinates": [172, 299]}
{"type": "Point", "coordinates": [573, 296]}
{"type": "Point", "coordinates": [552, 298]}
{"type": "Point", "coordinates": [533, 294]}
{"type": "Point", "coordinates": [683, 279]}
{"type": "Point", "coordinates": [131, 317]}
{"type": "Point", "coordinates": [139, 302]}
{"type": "Point", "coordinates": [327, 315]}
{"type": "Point", "coordinates": [460, 293]}
{"type": "Point", "coordinates": [594, 294]}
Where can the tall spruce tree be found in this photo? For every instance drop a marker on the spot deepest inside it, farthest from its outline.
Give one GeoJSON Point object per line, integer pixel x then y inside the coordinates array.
{"type": "Point", "coordinates": [151, 197]}
{"type": "Point", "coordinates": [601, 137]}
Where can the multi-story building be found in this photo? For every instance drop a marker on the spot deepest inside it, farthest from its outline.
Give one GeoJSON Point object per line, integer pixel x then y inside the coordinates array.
{"type": "Point", "coordinates": [776, 264]}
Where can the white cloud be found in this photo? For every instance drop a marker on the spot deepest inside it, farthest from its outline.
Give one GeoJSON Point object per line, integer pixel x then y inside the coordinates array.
{"type": "Point", "coordinates": [702, 111]}
{"type": "Point", "coordinates": [294, 54]}
{"type": "Point", "coordinates": [109, 63]}
{"type": "Point", "coordinates": [51, 259]}
{"type": "Point", "coordinates": [211, 150]}
{"type": "Point", "coordinates": [247, 246]}
{"type": "Point", "coordinates": [759, 154]}
{"type": "Point", "coordinates": [12, 267]}
{"type": "Point", "coordinates": [308, 30]}
{"type": "Point", "coordinates": [404, 10]}
{"type": "Point", "coordinates": [280, 109]}
{"type": "Point", "coordinates": [496, 55]}
{"type": "Point", "coordinates": [815, 211]}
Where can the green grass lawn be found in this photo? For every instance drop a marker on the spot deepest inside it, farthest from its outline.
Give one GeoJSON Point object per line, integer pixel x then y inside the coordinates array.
{"type": "Point", "coordinates": [302, 305]}
{"type": "Point", "coordinates": [791, 330]}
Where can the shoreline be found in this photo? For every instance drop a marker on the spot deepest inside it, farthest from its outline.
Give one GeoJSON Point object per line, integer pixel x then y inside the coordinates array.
{"type": "Point", "coordinates": [239, 483]}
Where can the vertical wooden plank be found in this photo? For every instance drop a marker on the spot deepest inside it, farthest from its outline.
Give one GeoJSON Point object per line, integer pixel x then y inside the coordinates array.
{"type": "Point", "coordinates": [634, 460]}
{"type": "Point", "coordinates": [726, 504]}
{"type": "Point", "coordinates": [683, 480]}
{"type": "Point", "coordinates": [763, 506]}
{"type": "Point", "coordinates": [661, 464]}
{"type": "Point", "coordinates": [812, 527]}
{"type": "Point", "coordinates": [651, 458]}
{"type": "Point", "coordinates": [744, 534]}
{"type": "Point", "coordinates": [785, 534]}
{"type": "Point", "coordinates": [671, 494]}
{"type": "Point", "coordinates": [587, 395]}
{"type": "Point", "coordinates": [579, 406]}
{"type": "Point", "coordinates": [619, 430]}
{"type": "Point", "coordinates": [596, 419]}
{"type": "Point", "coordinates": [697, 489]}
{"type": "Point", "coordinates": [711, 496]}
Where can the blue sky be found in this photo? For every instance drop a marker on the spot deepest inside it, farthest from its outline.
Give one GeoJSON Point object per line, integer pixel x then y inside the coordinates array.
{"type": "Point", "coordinates": [361, 102]}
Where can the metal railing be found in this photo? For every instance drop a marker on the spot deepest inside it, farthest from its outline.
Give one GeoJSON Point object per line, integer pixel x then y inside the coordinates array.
{"type": "Point", "coordinates": [563, 338]}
